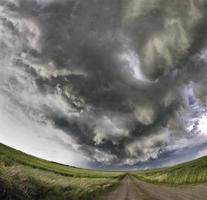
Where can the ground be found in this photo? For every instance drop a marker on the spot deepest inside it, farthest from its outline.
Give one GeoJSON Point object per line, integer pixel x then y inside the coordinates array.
{"type": "Point", "coordinates": [24, 177]}
{"type": "Point", "coordinates": [131, 188]}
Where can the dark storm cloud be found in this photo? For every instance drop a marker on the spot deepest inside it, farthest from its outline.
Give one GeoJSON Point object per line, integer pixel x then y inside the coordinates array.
{"type": "Point", "coordinates": [115, 76]}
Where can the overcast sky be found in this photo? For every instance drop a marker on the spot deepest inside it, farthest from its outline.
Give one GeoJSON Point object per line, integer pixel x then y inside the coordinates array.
{"type": "Point", "coordinates": [112, 84]}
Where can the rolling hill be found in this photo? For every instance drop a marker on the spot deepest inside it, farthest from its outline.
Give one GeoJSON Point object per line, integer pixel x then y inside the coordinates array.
{"type": "Point", "coordinates": [193, 172]}
{"type": "Point", "coordinates": [25, 177]}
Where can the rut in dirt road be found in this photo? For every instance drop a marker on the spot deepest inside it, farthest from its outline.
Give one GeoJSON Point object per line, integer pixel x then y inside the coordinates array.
{"type": "Point", "coordinates": [128, 190]}
{"type": "Point", "coordinates": [131, 188]}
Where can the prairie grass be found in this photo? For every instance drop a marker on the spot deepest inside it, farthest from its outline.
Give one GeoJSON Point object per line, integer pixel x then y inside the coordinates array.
{"type": "Point", "coordinates": [24, 177]}
{"type": "Point", "coordinates": [193, 172]}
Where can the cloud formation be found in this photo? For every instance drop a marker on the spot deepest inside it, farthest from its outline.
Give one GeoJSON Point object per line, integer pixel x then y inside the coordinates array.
{"type": "Point", "coordinates": [123, 80]}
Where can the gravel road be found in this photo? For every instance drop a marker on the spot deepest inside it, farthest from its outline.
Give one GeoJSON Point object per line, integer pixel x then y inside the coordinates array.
{"type": "Point", "coordinates": [131, 188]}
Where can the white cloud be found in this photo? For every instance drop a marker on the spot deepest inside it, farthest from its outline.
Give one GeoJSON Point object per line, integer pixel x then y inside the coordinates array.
{"type": "Point", "coordinates": [106, 129]}
{"type": "Point", "coordinates": [44, 141]}
{"type": "Point", "coordinates": [145, 114]}
{"type": "Point", "coordinates": [145, 148]}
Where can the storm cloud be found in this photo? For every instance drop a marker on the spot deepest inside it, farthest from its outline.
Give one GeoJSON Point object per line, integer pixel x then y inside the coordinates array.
{"type": "Point", "coordinates": [117, 82]}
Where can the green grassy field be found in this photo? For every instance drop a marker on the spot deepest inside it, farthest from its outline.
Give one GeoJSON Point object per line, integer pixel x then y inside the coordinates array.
{"type": "Point", "coordinates": [24, 177]}
{"type": "Point", "coordinates": [193, 172]}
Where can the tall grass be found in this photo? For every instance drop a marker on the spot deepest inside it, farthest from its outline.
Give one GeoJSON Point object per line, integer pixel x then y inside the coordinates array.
{"type": "Point", "coordinates": [193, 172]}
{"type": "Point", "coordinates": [24, 177]}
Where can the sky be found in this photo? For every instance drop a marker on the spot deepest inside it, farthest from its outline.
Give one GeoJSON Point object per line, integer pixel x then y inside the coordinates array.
{"type": "Point", "coordinates": [104, 84]}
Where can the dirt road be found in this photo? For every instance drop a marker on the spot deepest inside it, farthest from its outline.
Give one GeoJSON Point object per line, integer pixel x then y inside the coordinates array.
{"type": "Point", "coordinates": [133, 189]}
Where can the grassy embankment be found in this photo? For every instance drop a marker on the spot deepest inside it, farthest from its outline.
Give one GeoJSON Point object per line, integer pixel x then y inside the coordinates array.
{"type": "Point", "coordinates": [193, 172]}
{"type": "Point", "coordinates": [24, 177]}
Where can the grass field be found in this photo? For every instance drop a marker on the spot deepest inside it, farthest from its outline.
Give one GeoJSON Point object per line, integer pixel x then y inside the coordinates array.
{"type": "Point", "coordinates": [193, 172]}
{"type": "Point", "coordinates": [24, 177]}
